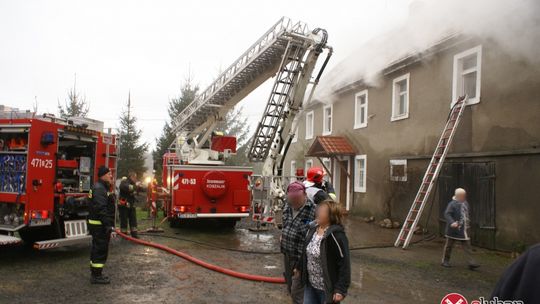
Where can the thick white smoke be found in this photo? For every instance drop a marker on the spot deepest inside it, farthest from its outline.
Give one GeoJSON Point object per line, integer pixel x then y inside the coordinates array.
{"type": "Point", "coordinates": [513, 24]}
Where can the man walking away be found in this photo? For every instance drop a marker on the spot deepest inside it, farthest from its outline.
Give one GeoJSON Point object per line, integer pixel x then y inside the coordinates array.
{"type": "Point", "coordinates": [100, 224]}
{"type": "Point", "coordinates": [299, 212]}
{"type": "Point", "coordinates": [126, 204]}
{"type": "Point", "coordinates": [457, 225]}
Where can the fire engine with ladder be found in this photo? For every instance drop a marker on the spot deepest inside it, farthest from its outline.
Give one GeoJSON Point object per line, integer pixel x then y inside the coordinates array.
{"type": "Point", "coordinates": [47, 167]}
{"type": "Point", "coordinates": [197, 183]}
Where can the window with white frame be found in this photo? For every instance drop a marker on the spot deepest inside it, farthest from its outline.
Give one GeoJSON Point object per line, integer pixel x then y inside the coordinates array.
{"type": "Point", "coordinates": [293, 171]}
{"type": "Point", "coordinates": [327, 119]}
{"type": "Point", "coordinates": [308, 164]}
{"type": "Point", "coordinates": [360, 173]}
{"type": "Point", "coordinates": [361, 109]}
{"type": "Point", "coordinates": [467, 72]}
{"type": "Point", "coordinates": [309, 125]}
{"type": "Point", "coordinates": [400, 97]}
{"type": "Point", "coordinates": [398, 170]}
{"type": "Point", "coordinates": [327, 165]}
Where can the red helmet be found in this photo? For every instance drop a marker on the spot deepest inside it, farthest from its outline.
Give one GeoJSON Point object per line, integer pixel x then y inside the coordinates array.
{"type": "Point", "coordinates": [315, 174]}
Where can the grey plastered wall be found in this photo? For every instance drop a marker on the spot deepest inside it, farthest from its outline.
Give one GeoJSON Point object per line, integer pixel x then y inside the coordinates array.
{"type": "Point", "coordinates": [506, 119]}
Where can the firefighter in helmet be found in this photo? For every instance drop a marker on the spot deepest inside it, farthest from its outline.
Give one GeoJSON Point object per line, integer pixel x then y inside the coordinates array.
{"type": "Point", "coordinates": [126, 204]}
{"type": "Point", "coordinates": [318, 189]}
{"type": "Point", "coordinates": [100, 223]}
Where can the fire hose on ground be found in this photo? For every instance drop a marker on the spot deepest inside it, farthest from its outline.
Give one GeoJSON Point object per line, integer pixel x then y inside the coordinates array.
{"type": "Point", "coordinates": [425, 238]}
{"type": "Point", "coordinates": [229, 272]}
{"type": "Point", "coordinates": [236, 274]}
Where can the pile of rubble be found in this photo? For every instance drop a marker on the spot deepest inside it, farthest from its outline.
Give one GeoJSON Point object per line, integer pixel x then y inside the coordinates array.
{"type": "Point", "coordinates": [389, 224]}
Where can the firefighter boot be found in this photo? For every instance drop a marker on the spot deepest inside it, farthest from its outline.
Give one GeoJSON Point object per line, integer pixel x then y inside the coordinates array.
{"type": "Point", "coordinates": [134, 234]}
{"type": "Point", "coordinates": [98, 277]}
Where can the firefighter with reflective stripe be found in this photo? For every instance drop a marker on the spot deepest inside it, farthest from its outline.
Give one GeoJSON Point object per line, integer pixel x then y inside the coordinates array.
{"type": "Point", "coordinates": [317, 189]}
{"type": "Point", "coordinates": [100, 223]}
{"type": "Point", "coordinates": [126, 204]}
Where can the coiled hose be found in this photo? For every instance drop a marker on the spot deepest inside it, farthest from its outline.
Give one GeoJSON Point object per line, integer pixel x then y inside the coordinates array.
{"type": "Point", "coordinates": [236, 274]}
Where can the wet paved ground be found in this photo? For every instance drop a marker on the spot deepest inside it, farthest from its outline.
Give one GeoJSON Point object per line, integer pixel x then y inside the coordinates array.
{"type": "Point", "coordinates": [146, 275]}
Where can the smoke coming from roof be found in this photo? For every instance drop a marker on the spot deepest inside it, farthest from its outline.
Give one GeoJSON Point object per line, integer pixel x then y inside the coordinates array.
{"type": "Point", "coordinates": [513, 25]}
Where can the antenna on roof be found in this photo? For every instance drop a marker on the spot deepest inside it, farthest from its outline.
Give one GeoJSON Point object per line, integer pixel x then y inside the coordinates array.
{"type": "Point", "coordinates": [35, 105]}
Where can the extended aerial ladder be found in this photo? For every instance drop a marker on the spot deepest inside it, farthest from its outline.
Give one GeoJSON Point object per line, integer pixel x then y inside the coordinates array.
{"type": "Point", "coordinates": [432, 172]}
{"type": "Point", "coordinates": [288, 51]}
{"type": "Point", "coordinates": [277, 126]}
{"type": "Point", "coordinates": [260, 62]}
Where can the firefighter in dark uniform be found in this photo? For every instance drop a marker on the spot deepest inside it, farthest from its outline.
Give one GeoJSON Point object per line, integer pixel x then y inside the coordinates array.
{"type": "Point", "coordinates": [126, 204]}
{"type": "Point", "coordinates": [101, 223]}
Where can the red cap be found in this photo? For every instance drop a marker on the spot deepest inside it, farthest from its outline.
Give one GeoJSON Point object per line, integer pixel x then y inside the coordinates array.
{"type": "Point", "coordinates": [296, 188]}
{"type": "Point", "coordinates": [315, 174]}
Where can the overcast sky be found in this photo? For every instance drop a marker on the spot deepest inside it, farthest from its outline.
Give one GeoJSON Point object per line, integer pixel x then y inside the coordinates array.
{"type": "Point", "coordinates": [150, 47]}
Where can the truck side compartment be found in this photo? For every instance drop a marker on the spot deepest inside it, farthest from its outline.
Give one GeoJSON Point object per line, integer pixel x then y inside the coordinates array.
{"type": "Point", "coordinates": [47, 168]}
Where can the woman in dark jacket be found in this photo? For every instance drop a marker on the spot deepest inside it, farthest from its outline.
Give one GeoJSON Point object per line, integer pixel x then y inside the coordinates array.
{"type": "Point", "coordinates": [326, 267]}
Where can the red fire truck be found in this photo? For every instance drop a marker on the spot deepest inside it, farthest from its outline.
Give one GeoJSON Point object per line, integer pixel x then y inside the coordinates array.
{"type": "Point", "coordinates": [202, 190]}
{"type": "Point", "coordinates": [47, 167]}
{"type": "Point", "coordinates": [199, 183]}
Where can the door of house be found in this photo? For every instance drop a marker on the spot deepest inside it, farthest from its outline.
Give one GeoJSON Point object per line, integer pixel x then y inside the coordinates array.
{"type": "Point", "coordinates": [478, 179]}
{"type": "Point", "coordinates": [342, 182]}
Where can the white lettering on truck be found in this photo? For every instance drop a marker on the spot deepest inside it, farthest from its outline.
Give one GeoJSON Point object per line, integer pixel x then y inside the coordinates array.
{"type": "Point", "coordinates": [189, 181]}
{"type": "Point", "coordinates": [215, 184]}
{"type": "Point", "coordinates": [41, 163]}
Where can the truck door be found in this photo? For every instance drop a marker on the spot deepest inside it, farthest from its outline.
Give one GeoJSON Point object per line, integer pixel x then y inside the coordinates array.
{"type": "Point", "coordinates": [42, 147]}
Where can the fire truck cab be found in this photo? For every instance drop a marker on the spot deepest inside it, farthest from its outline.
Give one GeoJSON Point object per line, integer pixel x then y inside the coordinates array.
{"type": "Point", "coordinates": [47, 167]}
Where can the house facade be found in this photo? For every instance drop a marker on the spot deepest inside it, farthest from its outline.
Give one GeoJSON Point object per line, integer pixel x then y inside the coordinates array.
{"type": "Point", "coordinates": [395, 126]}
